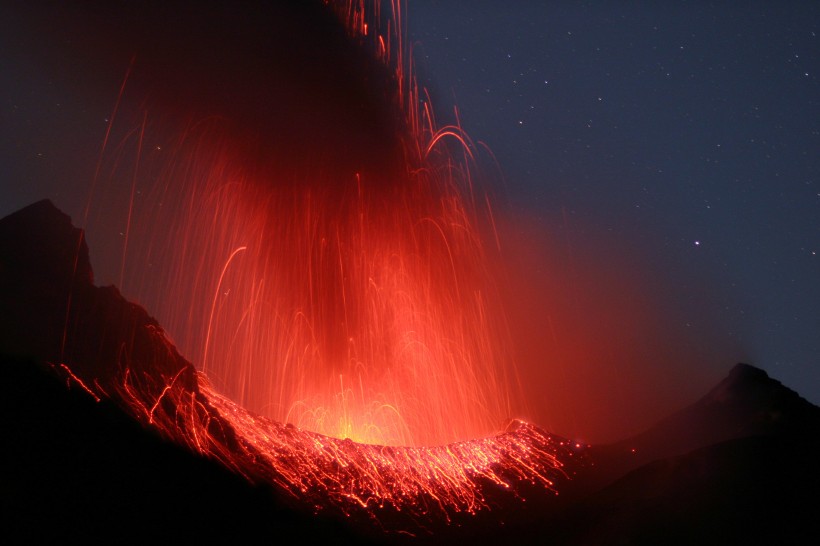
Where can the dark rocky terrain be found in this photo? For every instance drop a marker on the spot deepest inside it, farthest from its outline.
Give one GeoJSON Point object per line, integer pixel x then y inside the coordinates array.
{"type": "Point", "coordinates": [738, 466]}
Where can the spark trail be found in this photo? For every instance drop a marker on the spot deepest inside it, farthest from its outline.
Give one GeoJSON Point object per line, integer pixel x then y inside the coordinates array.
{"type": "Point", "coordinates": [350, 343]}
{"type": "Point", "coordinates": [395, 489]}
{"type": "Point", "coordinates": [356, 301]}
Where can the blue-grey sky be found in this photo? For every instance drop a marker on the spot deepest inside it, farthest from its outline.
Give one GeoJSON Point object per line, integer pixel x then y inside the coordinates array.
{"type": "Point", "coordinates": [656, 180]}
{"type": "Point", "coordinates": [681, 136]}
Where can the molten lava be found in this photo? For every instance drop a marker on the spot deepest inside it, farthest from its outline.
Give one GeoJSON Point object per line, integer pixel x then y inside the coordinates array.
{"type": "Point", "coordinates": [348, 336]}
{"type": "Point", "coordinates": [356, 301]}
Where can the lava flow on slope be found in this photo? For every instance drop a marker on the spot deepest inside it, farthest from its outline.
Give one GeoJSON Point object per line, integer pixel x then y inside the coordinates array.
{"type": "Point", "coordinates": [331, 286]}
{"type": "Point", "coordinates": [115, 351]}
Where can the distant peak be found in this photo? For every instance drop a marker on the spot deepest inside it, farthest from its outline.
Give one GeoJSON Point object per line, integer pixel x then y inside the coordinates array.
{"type": "Point", "coordinates": [41, 240]}
{"type": "Point", "coordinates": [747, 384]}
{"type": "Point", "coordinates": [741, 378]}
{"type": "Point", "coordinates": [42, 203]}
{"type": "Point", "coordinates": [744, 372]}
{"type": "Point", "coordinates": [40, 210]}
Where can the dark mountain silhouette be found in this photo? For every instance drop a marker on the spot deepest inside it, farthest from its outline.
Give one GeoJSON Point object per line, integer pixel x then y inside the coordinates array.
{"type": "Point", "coordinates": [746, 403]}
{"type": "Point", "coordinates": [117, 364]}
{"type": "Point", "coordinates": [80, 469]}
{"type": "Point", "coordinates": [753, 490]}
{"type": "Point", "coordinates": [737, 466]}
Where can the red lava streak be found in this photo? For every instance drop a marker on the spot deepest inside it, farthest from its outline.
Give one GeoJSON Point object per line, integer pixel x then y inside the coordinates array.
{"type": "Point", "coordinates": [400, 489]}
{"type": "Point", "coordinates": [427, 482]}
{"type": "Point", "coordinates": [349, 339]}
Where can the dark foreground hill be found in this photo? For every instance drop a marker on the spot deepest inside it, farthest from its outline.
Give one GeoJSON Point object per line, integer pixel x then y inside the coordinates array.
{"type": "Point", "coordinates": [82, 470]}
{"type": "Point", "coordinates": [739, 466]}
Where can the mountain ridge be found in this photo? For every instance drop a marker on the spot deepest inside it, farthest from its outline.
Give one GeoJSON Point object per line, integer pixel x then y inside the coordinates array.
{"type": "Point", "coordinates": [91, 470]}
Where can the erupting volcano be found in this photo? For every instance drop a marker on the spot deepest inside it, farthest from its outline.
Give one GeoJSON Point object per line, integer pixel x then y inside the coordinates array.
{"type": "Point", "coordinates": [330, 277]}
{"type": "Point", "coordinates": [301, 319]}
{"type": "Point", "coordinates": [347, 293]}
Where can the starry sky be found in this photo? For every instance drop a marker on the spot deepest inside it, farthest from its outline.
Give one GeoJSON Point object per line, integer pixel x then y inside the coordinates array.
{"type": "Point", "coordinates": [676, 144]}
{"type": "Point", "coordinates": [654, 169]}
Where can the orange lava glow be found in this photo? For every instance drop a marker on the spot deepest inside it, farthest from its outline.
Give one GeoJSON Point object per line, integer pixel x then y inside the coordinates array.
{"type": "Point", "coordinates": [387, 489]}
{"type": "Point", "coordinates": [343, 315]}
{"type": "Point", "coordinates": [355, 304]}
{"type": "Point", "coordinates": [347, 334]}
{"type": "Point", "coordinates": [430, 483]}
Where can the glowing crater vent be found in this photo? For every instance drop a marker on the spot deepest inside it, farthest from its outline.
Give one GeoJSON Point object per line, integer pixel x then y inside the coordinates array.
{"type": "Point", "coordinates": [354, 302]}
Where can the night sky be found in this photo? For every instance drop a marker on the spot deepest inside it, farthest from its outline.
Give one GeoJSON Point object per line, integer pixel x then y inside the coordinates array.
{"type": "Point", "coordinates": [667, 151]}
{"type": "Point", "coordinates": [655, 176]}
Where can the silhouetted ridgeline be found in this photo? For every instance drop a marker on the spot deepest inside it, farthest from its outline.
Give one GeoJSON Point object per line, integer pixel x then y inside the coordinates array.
{"type": "Point", "coordinates": [736, 467]}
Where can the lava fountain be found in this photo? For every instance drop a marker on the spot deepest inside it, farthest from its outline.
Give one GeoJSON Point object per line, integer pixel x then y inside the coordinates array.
{"type": "Point", "coordinates": [351, 297]}
{"type": "Point", "coordinates": [314, 242]}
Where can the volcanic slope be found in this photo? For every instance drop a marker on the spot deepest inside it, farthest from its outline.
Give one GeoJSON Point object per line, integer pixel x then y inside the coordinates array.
{"type": "Point", "coordinates": [115, 357]}
{"type": "Point", "coordinates": [737, 466]}
{"type": "Point", "coordinates": [78, 467]}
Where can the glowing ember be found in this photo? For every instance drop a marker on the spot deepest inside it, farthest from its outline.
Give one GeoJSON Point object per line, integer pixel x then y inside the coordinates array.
{"type": "Point", "coordinates": [401, 489]}
{"type": "Point", "coordinates": [353, 322]}
{"type": "Point", "coordinates": [357, 305]}
{"type": "Point", "coordinates": [426, 482]}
